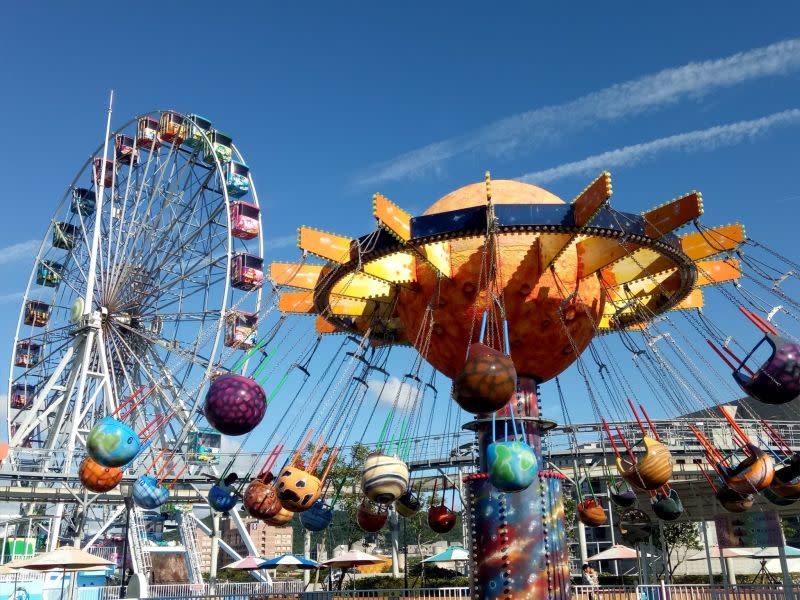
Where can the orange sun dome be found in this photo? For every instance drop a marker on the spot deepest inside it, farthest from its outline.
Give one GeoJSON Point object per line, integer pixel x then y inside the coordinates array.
{"type": "Point", "coordinates": [563, 272]}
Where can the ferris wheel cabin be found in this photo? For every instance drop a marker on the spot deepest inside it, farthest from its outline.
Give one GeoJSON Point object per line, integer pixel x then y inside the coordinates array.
{"type": "Point", "coordinates": [171, 128]}
{"type": "Point", "coordinates": [219, 146]}
{"type": "Point", "coordinates": [244, 220]}
{"type": "Point", "coordinates": [49, 273]}
{"type": "Point", "coordinates": [22, 396]}
{"type": "Point", "coordinates": [204, 447]}
{"type": "Point", "coordinates": [147, 133]}
{"type": "Point", "coordinates": [28, 354]}
{"type": "Point", "coordinates": [97, 172]}
{"type": "Point", "coordinates": [124, 151]}
{"type": "Point", "coordinates": [83, 202]}
{"type": "Point", "coordinates": [237, 179]}
{"type": "Point", "coordinates": [247, 272]}
{"type": "Point", "coordinates": [64, 235]}
{"type": "Point", "coordinates": [196, 126]}
{"type": "Point", "coordinates": [37, 313]}
{"type": "Point", "coordinates": [240, 330]}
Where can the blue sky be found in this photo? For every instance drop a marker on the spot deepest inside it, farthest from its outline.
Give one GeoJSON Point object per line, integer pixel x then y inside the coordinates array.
{"type": "Point", "coordinates": [330, 102]}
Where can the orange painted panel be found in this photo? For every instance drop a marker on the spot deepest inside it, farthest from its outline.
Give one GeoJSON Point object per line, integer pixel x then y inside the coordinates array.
{"type": "Point", "coordinates": [594, 253]}
{"type": "Point", "coordinates": [323, 326]}
{"type": "Point", "coordinates": [296, 302]}
{"type": "Point", "coordinates": [712, 241]}
{"type": "Point", "coordinates": [295, 275]}
{"type": "Point", "coordinates": [347, 307]}
{"type": "Point", "coordinates": [717, 271]}
{"type": "Point", "coordinates": [438, 255]}
{"type": "Point", "coordinates": [360, 285]}
{"type": "Point", "coordinates": [638, 264]}
{"type": "Point", "coordinates": [400, 267]}
{"type": "Point", "coordinates": [674, 214]}
{"type": "Point", "coordinates": [326, 245]}
{"type": "Point", "coordinates": [551, 244]}
{"type": "Point", "coordinates": [693, 300]}
{"type": "Point", "coordinates": [392, 217]}
{"type": "Point", "coordinates": [592, 198]}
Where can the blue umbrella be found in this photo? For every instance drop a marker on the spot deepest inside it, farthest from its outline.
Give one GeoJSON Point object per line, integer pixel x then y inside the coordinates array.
{"type": "Point", "coordinates": [289, 560]}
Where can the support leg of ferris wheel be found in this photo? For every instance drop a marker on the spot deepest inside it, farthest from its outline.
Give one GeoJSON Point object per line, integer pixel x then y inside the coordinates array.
{"type": "Point", "coordinates": [91, 320]}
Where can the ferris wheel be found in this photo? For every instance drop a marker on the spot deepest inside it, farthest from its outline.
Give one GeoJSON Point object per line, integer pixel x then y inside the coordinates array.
{"type": "Point", "coordinates": [151, 264]}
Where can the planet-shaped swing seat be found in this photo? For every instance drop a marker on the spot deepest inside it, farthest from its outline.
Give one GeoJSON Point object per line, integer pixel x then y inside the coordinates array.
{"type": "Point", "coordinates": [777, 381]}
{"type": "Point", "coordinates": [282, 517]}
{"type": "Point", "coordinates": [512, 466]}
{"type": "Point", "coordinates": [734, 501]}
{"type": "Point", "coordinates": [591, 513]}
{"type": "Point", "coordinates": [371, 517]}
{"type": "Point", "coordinates": [318, 517]}
{"type": "Point", "coordinates": [297, 489]}
{"type": "Point", "coordinates": [98, 478]}
{"type": "Point", "coordinates": [777, 500]}
{"type": "Point", "coordinates": [148, 494]}
{"type": "Point", "coordinates": [635, 526]}
{"type": "Point", "coordinates": [786, 483]}
{"type": "Point", "coordinates": [408, 504]}
{"type": "Point", "coordinates": [667, 507]}
{"type": "Point", "coordinates": [222, 498]}
{"type": "Point", "coordinates": [441, 519]}
{"type": "Point", "coordinates": [261, 501]}
{"type": "Point", "coordinates": [384, 478]}
{"type": "Point", "coordinates": [650, 471]}
{"type": "Point", "coordinates": [487, 381]}
{"type": "Point", "coordinates": [235, 405]}
{"type": "Point", "coordinates": [112, 443]}
{"type": "Point", "coordinates": [621, 498]}
{"type": "Point", "coordinates": [753, 474]}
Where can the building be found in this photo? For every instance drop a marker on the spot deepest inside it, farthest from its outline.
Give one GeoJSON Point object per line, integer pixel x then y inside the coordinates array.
{"type": "Point", "coordinates": [269, 541]}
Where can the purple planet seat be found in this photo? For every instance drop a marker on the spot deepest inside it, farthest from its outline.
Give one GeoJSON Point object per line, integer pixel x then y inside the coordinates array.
{"type": "Point", "coordinates": [778, 379]}
{"type": "Point", "coordinates": [235, 405]}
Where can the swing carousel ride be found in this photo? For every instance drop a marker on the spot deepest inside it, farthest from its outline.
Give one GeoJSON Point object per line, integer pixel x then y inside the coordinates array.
{"type": "Point", "coordinates": [144, 334]}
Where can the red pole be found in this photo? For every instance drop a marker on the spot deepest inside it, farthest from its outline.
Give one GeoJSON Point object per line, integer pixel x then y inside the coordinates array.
{"type": "Point", "coordinates": [636, 414]}
{"type": "Point", "coordinates": [650, 423]}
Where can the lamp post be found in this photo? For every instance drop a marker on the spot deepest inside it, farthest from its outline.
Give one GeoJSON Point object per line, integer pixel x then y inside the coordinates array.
{"type": "Point", "coordinates": [126, 489]}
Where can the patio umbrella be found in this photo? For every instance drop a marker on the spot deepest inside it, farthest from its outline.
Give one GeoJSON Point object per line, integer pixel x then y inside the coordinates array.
{"type": "Point", "coordinates": [290, 560]}
{"type": "Point", "coordinates": [352, 558]}
{"type": "Point", "coordinates": [774, 551]}
{"type": "Point", "coordinates": [66, 559]}
{"type": "Point", "coordinates": [726, 553]}
{"type": "Point", "coordinates": [248, 563]}
{"type": "Point", "coordinates": [452, 554]}
{"type": "Point", "coordinates": [616, 552]}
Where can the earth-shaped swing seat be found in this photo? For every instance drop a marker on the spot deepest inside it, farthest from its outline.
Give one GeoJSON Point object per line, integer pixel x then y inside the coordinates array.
{"type": "Point", "coordinates": [734, 501]}
{"type": "Point", "coordinates": [408, 504]}
{"type": "Point", "coordinates": [753, 474]}
{"type": "Point", "coordinates": [112, 443]}
{"type": "Point", "coordinates": [786, 483]}
{"type": "Point", "coordinates": [777, 381]}
{"type": "Point", "coordinates": [591, 513]}
{"type": "Point", "coordinates": [318, 517]}
{"type": "Point", "coordinates": [652, 470]}
{"type": "Point", "coordinates": [148, 494]}
{"type": "Point", "coordinates": [222, 498]}
{"type": "Point", "coordinates": [667, 507]}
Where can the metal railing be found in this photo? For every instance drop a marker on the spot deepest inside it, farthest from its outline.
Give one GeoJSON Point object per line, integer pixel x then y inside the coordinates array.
{"type": "Point", "coordinates": [681, 592]}
{"type": "Point", "coordinates": [420, 594]}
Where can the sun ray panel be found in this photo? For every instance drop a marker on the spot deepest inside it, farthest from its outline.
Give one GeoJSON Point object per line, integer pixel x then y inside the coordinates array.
{"type": "Point", "coordinates": [676, 213]}
{"type": "Point", "coordinates": [399, 267]}
{"type": "Point", "coordinates": [710, 272]}
{"type": "Point", "coordinates": [361, 285]}
{"type": "Point", "coordinates": [325, 245]}
{"type": "Point", "coordinates": [391, 217]}
{"type": "Point", "coordinates": [295, 275]}
{"type": "Point", "coordinates": [297, 302]}
{"type": "Point", "coordinates": [709, 242]}
{"type": "Point", "coordinates": [594, 253]}
{"type": "Point", "coordinates": [589, 201]}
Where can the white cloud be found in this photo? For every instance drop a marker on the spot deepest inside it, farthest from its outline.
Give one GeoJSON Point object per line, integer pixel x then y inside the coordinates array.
{"type": "Point", "coordinates": [402, 392]}
{"type": "Point", "coordinates": [282, 241]}
{"type": "Point", "coordinates": [12, 297]}
{"type": "Point", "coordinates": [649, 92]}
{"type": "Point", "coordinates": [20, 251]}
{"type": "Point", "coordinates": [692, 141]}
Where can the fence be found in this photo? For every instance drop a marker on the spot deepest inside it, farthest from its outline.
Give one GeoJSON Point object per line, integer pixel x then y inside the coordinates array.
{"type": "Point", "coordinates": [422, 594]}
{"type": "Point", "coordinates": [683, 592]}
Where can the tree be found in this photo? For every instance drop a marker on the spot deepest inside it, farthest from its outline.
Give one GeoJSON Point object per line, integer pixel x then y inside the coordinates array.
{"type": "Point", "coordinates": [677, 541]}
